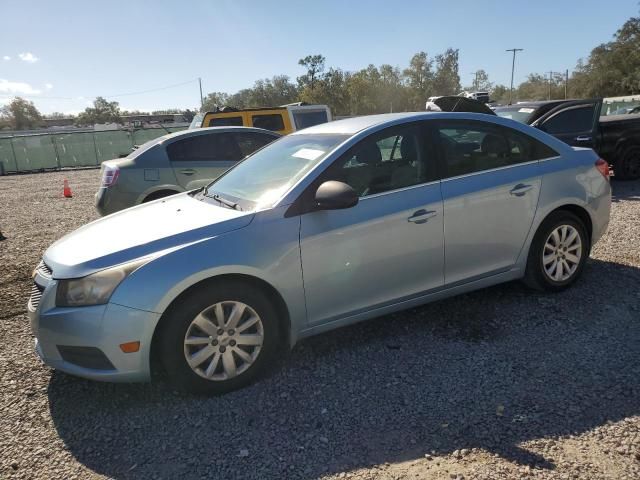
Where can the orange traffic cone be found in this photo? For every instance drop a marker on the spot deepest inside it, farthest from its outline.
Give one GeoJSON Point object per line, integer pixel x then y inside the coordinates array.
{"type": "Point", "coordinates": [67, 190]}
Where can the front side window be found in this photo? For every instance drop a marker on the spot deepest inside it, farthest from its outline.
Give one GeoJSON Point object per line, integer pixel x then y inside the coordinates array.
{"type": "Point", "coordinates": [260, 180]}
{"type": "Point", "coordinates": [579, 119]}
{"type": "Point", "coordinates": [271, 122]}
{"type": "Point", "coordinates": [469, 147]}
{"type": "Point", "coordinates": [383, 162]}
{"type": "Point", "coordinates": [211, 147]}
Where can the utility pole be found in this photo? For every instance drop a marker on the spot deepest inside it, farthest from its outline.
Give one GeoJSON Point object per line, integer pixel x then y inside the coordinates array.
{"type": "Point", "coordinates": [201, 98]}
{"type": "Point", "coordinates": [566, 83]}
{"type": "Point", "coordinates": [513, 66]}
{"type": "Point", "coordinates": [550, 80]}
{"type": "Point", "coordinates": [475, 80]}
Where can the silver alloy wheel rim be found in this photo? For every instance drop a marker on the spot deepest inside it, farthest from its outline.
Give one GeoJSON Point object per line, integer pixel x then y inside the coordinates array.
{"type": "Point", "coordinates": [562, 252]}
{"type": "Point", "coordinates": [223, 340]}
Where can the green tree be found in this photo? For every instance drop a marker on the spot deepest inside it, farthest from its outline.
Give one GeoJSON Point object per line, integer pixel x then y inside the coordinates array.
{"type": "Point", "coordinates": [419, 79]}
{"type": "Point", "coordinates": [101, 112]}
{"type": "Point", "coordinates": [446, 80]}
{"type": "Point", "coordinates": [612, 68]}
{"type": "Point", "coordinates": [20, 114]}
{"type": "Point", "coordinates": [315, 66]}
{"type": "Point", "coordinates": [214, 100]}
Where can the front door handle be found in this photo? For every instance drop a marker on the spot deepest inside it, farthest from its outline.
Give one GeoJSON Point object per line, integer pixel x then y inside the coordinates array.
{"type": "Point", "coordinates": [520, 189]}
{"type": "Point", "coordinates": [583, 138]}
{"type": "Point", "coordinates": [421, 216]}
{"type": "Point", "coordinates": [188, 171]}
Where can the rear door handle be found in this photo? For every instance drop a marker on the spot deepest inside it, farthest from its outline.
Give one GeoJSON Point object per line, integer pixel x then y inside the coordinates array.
{"type": "Point", "coordinates": [421, 216]}
{"type": "Point", "coordinates": [188, 171]}
{"type": "Point", "coordinates": [583, 138]}
{"type": "Point", "coordinates": [520, 189]}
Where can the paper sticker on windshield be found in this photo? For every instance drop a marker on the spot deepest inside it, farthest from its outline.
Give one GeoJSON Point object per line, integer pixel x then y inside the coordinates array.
{"type": "Point", "coordinates": [526, 110]}
{"type": "Point", "coordinates": [308, 153]}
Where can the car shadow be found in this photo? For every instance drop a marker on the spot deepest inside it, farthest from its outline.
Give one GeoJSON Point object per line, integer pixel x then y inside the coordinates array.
{"type": "Point", "coordinates": [490, 370]}
{"type": "Point", "coordinates": [625, 190]}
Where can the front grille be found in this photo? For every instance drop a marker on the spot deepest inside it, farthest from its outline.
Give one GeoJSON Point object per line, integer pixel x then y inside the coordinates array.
{"type": "Point", "coordinates": [36, 295]}
{"type": "Point", "coordinates": [44, 270]}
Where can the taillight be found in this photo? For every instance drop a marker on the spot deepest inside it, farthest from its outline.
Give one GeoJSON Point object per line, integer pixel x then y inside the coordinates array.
{"type": "Point", "coordinates": [110, 175]}
{"type": "Point", "coordinates": [603, 167]}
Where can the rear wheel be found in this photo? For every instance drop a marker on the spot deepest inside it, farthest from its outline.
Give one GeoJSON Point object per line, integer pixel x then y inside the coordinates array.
{"type": "Point", "coordinates": [219, 337]}
{"type": "Point", "coordinates": [627, 166]}
{"type": "Point", "coordinates": [558, 252]}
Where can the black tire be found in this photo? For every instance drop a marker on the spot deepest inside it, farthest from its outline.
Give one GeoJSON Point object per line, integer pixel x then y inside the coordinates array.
{"type": "Point", "coordinates": [179, 318]}
{"type": "Point", "coordinates": [627, 165]}
{"type": "Point", "coordinates": [159, 194]}
{"type": "Point", "coordinates": [535, 275]}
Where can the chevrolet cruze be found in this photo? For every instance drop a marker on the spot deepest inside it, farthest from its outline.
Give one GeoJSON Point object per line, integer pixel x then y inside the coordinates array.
{"type": "Point", "coordinates": [328, 226]}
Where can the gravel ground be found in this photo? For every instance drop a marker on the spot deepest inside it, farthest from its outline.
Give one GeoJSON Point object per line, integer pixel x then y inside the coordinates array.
{"type": "Point", "coordinates": [500, 383]}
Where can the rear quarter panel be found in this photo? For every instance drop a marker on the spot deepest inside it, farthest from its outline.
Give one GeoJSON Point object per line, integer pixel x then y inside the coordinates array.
{"type": "Point", "coordinates": [572, 179]}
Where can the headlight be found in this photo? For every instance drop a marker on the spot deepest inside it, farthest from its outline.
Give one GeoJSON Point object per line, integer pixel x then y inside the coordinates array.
{"type": "Point", "coordinates": [95, 289]}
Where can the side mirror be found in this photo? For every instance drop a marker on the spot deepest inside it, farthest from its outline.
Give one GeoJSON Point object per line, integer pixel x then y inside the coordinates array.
{"type": "Point", "coordinates": [332, 195]}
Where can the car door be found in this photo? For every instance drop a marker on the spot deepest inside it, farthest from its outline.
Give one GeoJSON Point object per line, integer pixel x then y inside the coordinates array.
{"type": "Point", "coordinates": [490, 187]}
{"type": "Point", "coordinates": [390, 245]}
{"type": "Point", "coordinates": [198, 159]}
{"type": "Point", "coordinates": [575, 123]}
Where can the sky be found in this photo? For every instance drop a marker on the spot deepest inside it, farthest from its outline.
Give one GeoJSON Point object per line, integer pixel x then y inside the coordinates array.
{"type": "Point", "coordinates": [62, 54]}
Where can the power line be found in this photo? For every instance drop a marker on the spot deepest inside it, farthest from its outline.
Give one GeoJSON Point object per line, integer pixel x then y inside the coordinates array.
{"type": "Point", "coordinates": [40, 97]}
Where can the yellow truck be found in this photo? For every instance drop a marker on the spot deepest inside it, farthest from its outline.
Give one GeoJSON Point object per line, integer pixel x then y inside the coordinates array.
{"type": "Point", "coordinates": [283, 120]}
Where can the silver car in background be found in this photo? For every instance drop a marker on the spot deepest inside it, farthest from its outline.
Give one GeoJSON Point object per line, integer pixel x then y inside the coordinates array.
{"type": "Point", "coordinates": [328, 226]}
{"type": "Point", "coordinates": [175, 163]}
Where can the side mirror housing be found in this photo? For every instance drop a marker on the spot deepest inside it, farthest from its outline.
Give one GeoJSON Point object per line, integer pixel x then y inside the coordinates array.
{"type": "Point", "coordinates": [333, 195]}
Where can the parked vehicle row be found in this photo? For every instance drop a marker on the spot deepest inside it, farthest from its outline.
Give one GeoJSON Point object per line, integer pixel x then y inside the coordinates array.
{"type": "Point", "coordinates": [616, 138]}
{"type": "Point", "coordinates": [334, 224]}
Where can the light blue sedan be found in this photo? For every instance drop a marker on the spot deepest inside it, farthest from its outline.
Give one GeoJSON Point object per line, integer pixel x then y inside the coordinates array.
{"type": "Point", "coordinates": [328, 226]}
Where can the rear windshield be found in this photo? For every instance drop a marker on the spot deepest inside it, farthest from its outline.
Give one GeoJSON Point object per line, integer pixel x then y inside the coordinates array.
{"type": "Point", "coordinates": [225, 122]}
{"type": "Point", "coordinates": [519, 114]}
{"type": "Point", "coordinates": [304, 119]}
{"type": "Point", "coordinates": [197, 121]}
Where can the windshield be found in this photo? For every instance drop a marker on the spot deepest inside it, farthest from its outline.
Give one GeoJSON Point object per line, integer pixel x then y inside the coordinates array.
{"type": "Point", "coordinates": [519, 114]}
{"type": "Point", "coordinates": [262, 178]}
{"type": "Point", "coordinates": [197, 121]}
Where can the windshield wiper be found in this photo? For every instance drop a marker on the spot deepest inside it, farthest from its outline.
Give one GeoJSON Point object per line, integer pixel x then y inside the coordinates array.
{"type": "Point", "coordinates": [226, 202]}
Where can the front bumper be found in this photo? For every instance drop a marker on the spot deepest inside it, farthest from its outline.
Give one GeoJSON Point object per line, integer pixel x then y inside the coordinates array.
{"type": "Point", "coordinates": [95, 328]}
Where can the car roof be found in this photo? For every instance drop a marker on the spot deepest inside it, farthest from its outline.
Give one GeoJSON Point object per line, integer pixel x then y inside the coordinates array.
{"type": "Point", "coordinates": [202, 131]}
{"type": "Point", "coordinates": [353, 125]}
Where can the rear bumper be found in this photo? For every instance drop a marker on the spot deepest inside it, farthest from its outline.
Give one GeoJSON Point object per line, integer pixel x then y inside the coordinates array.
{"type": "Point", "coordinates": [110, 200]}
{"type": "Point", "coordinates": [94, 335]}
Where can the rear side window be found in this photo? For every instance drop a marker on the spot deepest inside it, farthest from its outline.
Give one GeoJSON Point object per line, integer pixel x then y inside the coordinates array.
{"type": "Point", "coordinates": [579, 119]}
{"type": "Point", "coordinates": [271, 122]}
{"type": "Point", "coordinates": [250, 142]}
{"type": "Point", "coordinates": [469, 147]}
{"type": "Point", "coordinates": [304, 119]}
{"type": "Point", "coordinates": [225, 122]}
{"type": "Point", "coordinates": [212, 147]}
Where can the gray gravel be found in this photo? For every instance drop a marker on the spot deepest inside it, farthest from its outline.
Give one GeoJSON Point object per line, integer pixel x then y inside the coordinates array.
{"type": "Point", "coordinates": [501, 383]}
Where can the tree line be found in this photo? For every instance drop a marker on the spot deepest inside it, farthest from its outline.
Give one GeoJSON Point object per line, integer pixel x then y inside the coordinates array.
{"type": "Point", "coordinates": [611, 69]}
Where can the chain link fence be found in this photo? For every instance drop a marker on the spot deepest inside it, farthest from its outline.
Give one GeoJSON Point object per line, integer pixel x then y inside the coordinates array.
{"type": "Point", "coordinates": [52, 151]}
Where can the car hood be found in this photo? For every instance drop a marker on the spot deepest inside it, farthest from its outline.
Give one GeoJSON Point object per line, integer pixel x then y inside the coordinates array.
{"type": "Point", "coordinates": [146, 230]}
{"type": "Point", "coordinates": [461, 104]}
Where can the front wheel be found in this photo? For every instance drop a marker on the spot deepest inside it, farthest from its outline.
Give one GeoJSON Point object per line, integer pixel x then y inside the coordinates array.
{"type": "Point", "coordinates": [558, 252]}
{"type": "Point", "coordinates": [218, 338]}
